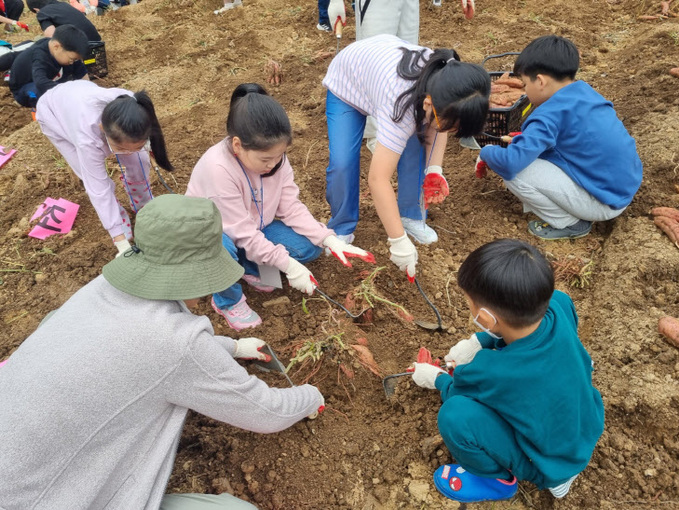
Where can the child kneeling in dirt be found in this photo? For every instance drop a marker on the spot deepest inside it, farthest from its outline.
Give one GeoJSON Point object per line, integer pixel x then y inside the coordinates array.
{"type": "Point", "coordinates": [94, 401]}
{"type": "Point", "coordinates": [574, 162]}
{"type": "Point", "coordinates": [520, 404]}
{"type": "Point", "coordinates": [250, 179]}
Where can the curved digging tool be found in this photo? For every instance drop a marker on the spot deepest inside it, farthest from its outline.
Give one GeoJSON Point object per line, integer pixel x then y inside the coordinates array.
{"type": "Point", "coordinates": [434, 326]}
{"type": "Point", "coordinates": [389, 383]}
{"type": "Point", "coordinates": [272, 366]}
{"type": "Point", "coordinates": [353, 316]}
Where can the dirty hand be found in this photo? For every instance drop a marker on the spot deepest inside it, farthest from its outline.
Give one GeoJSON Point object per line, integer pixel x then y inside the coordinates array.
{"type": "Point", "coordinates": [425, 375]}
{"type": "Point", "coordinates": [248, 348]}
{"type": "Point", "coordinates": [122, 246]}
{"type": "Point", "coordinates": [300, 278]}
{"type": "Point", "coordinates": [343, 250]}
{"type": "Point", "coordinates": [404, 255]}
{"type": "Point", "coordinates": [336, 10]}
{"type": "Point", "coordinates": [468, 8]}
{"type": "Point", "coordinates": [463, 351]}
{"type": "Point", "coordinates": [274, 72]}
{"type": "Point", "coordinates": [21, 25]}
{"type": "Point", "coordinates": [435, 186]}
{"type": "Point", "coordinates": [481, 168]}
{"type": "Point", "coordinates": [318, 411]}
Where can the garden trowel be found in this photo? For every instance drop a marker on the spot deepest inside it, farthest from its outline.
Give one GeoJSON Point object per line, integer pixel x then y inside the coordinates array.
{"type": "Point", "coordinates": [273, 365]}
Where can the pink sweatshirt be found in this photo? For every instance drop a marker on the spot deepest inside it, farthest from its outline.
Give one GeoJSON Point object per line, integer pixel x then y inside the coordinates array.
{"type": "Point", "coordinates": [219, 177]}
{"type": "Point", "coordinates": [69, 115]}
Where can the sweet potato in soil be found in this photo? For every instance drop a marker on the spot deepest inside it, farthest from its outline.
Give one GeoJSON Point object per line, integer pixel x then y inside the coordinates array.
{"type": "Point", "coordinates": [667, 219]}
{"type": "Point", "coordinates": [669, 328]}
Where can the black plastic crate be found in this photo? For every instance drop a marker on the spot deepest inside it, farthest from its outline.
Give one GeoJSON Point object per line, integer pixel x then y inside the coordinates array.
{"type": "Point", "coordinates": [95, 62]}
{"type": "Point", "coordinates": [502, 121]}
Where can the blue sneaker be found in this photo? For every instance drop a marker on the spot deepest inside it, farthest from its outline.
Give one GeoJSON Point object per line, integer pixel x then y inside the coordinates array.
{"type": "Point", "coordinates": [454, 482]}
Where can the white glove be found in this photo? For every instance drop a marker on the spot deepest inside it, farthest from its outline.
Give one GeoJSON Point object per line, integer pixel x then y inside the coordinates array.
{"type": "Point", "coordinates": [404, 255]}
{"type": "Point", "coordinates": [248, 348]}
{"type": "Point", "coordinates": [336, 10]}
{"type": "Point", "coordinates": [122, 246]}
{"type": "Point", "coordinates": [342, 250]}
{"type": "Point", "coordinates": [463, 351]}
{"type": "Point", "coordinates": [468, 8]}
{"type": "Point", "coordinates": [300, 278]}
{"type": "Point", "coordinates": [318, 411]}
{"type": "Point", "coordinates": [425, 375]}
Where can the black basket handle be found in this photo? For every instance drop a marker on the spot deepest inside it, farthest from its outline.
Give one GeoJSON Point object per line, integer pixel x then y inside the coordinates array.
{"type": "Point", "coordinates": [499, 55]}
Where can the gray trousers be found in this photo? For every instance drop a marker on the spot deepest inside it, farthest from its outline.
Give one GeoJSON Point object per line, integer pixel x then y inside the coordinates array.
{"type": "Point", "coordinates": [554, 197]}
{"type": "Point", "coordinates": [204, 502]}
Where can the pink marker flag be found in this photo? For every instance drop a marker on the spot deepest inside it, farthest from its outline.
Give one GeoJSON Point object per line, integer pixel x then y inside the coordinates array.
{"type": "Point", "coordinates": [6, 155]}
{"type": "Point", "coordinates": [54, 217]}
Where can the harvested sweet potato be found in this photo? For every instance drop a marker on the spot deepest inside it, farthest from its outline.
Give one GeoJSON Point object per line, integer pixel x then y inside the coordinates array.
{"type": "Point", "coordinates": [512, 82]}
{"type": "Point", "coordinates": [669, 328]}
{"type": "Point", "coordinates": [669, 226]}
{"type": "Point", "coordinates": [506, 98]}
{"type": "Point", "coordinates": [496, 88]}
{"type": "Point", "coordinates": [365, 358]}
{"type": "Point", "coordinates": [675, 72]}
{"type": "Point", "coordinates": [670, 212]}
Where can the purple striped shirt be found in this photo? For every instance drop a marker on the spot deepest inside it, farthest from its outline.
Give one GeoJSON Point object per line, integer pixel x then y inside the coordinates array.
{"type": "Point", "coordinates": [364, 76]}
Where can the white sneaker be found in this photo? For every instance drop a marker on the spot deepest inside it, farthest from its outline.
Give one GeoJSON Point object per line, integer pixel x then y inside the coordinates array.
{"type": "Point", "coordinates": [419, 230]}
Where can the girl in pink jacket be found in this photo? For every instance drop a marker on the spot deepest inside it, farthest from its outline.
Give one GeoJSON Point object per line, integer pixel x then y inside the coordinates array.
{"type": "Point", "coordinates": [250, 179]}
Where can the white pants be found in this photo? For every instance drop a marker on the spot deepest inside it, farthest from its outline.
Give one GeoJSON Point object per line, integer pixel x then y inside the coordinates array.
{"type": "Point", "coordinates": [396, 17]}
{"type": "Point", "coordinates": [204, 502]}
{"type": "Point", "coordinates": [552, 195]}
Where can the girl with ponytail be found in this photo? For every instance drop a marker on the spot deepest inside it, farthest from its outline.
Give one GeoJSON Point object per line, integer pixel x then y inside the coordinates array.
{"type": "Point", "coordinates": [88, 123]}
{"type": "Point", "coordinates": [248, 176]}
{"type": "Point", "coordinates": [417, 96]}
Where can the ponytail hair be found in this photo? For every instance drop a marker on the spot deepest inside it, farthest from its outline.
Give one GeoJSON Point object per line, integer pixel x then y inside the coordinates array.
{"type": "Point", "coordinates": [257, 119]}
{"type": "Point", "coordinates": [133, 118]}
{"type": "Point", "coordinates": [459, 91]}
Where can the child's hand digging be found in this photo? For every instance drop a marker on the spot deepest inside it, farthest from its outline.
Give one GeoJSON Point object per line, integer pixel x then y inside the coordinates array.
{"type": "Point", "coordinates": [342, 251]}
{"type": "Point", "coordinates": [435, 186]}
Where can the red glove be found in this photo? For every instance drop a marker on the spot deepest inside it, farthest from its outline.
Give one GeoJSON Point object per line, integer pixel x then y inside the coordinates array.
{"type": "Point", "coordinates": [2, 6]}
{"type": "Point", "coordinates": [481, 168]}
{"type": "Point", "coordinates": [468, 8]}
{"type": "Point", "coordinates": [22, 25]}
{"type": "Point", "coordinates": [435, 186]}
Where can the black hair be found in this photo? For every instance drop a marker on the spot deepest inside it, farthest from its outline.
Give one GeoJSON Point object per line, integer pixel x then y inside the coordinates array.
{"type": "Point", "coordinates": [257, 119]}
{"type": "Point", "coordinates": [38, 4]}
{"type": "Point", "coordinates": [133, 118]}
{"type": "Point", "coordinates": [551, 55]}
{"type": "Point", "coordinates": [459, 91]}
{"type": "Point", "coordinates": [510, 277]}
{"type": "Point", "coordinates": [72, 38]}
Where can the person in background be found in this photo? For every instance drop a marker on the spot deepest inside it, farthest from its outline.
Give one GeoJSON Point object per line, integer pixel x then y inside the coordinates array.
{"type": "Point", "coordinates": [249, 177]}
{"type": "Point", "coordinates": [574, 162]}
{"type": "Point", "coordinates": [417, 96]}
{"type": "Point", "coordinates": [52, 14]}
{"type": "Point", "coordinates": [10, 12]}
{"type": "Point", "coordinates": [104, 122]}
{"type": "Point", "coordinates": [47, 63]}
{"type": "Point", "coordinates": [520, 404]}
{"type": "Point", "coordinates": [94, 401]}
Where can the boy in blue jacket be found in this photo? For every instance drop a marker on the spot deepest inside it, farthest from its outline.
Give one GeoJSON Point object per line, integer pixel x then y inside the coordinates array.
{"type": "Point", "coordinates": [520, 404]}
{"type": "Point", "coordinates": [574, 162]}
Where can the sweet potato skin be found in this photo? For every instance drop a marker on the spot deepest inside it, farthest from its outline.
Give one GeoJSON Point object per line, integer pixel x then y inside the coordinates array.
{"type": "Point", "coordinates": [669, 328]}
{"type": "Point", "coordinates": [670, 212]}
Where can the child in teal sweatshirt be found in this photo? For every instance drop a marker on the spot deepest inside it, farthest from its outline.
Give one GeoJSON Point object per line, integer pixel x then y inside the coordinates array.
{"type": "Point", "coordinates": [520, 405]}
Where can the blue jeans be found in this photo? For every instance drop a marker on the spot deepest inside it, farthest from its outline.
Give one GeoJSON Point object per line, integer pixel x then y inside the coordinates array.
{"type": "Point", "coordinates": [323, 12]}
{"type": "Point", "coordinates": [299, 247]}
{"type": "Point", "coordinates": [345, 134]}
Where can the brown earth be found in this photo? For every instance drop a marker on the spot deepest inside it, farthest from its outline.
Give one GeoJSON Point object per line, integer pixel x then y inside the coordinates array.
{"type": "Point", "coordinates": [367, 452]}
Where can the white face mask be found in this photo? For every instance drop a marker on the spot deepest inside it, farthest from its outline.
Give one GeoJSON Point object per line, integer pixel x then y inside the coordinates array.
{"type": "Point", "coordinates": [486, 330]}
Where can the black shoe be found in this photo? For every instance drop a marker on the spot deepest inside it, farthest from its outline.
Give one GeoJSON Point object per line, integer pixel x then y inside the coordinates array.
{"type": "Point", "coordinates": [547, 232]}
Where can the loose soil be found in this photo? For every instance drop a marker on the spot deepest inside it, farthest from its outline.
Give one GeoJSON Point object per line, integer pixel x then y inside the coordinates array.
{"type": "Point", "coordinates": [367, 452]}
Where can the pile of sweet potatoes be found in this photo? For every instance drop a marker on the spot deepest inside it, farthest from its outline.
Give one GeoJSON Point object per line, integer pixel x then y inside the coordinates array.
{"type": "Point", "coordinates": [667, 219]}
{"type": "Point", "coordinates": [505, 91]}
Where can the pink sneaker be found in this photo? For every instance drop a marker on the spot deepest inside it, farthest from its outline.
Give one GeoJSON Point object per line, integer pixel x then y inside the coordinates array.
{"type": "Point", "coordinates": [240, 315]}
{"type": "Point", "coordinates": [255, 282]}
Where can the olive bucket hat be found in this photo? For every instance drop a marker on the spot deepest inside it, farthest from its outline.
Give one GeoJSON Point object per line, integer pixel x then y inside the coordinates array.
{"type": "Point", "coordinates": [178, 253]}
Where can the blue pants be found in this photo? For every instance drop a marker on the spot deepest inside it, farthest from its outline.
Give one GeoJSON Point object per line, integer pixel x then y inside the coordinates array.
{"type": "Point", "coordinates": [299, 247]}
{"type": "Point", "coordinates": [27, 95]}
{"type": "Point", "coordinates": [345, 134]}
{"type": "Point", "coordinates": [483, 443]}
{"type": "Point", "coordinates": [323, 12]}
